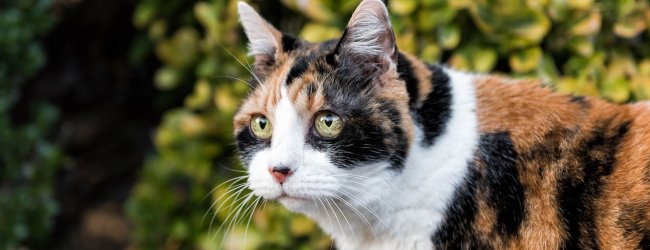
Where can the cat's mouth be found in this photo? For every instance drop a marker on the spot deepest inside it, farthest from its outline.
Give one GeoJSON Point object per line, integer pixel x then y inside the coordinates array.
{"type": "Point", "coordinates": [285, 196]}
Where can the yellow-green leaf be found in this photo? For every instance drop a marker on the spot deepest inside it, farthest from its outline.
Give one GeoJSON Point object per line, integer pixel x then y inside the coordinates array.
{"type": "Point", "coordinates": [630, 28]}
{"type": "Point", "coordinates": [208, 17]}
{"type": "Point", "coordinates": [580, 4]}
{"type": "Point", "coordinates": [583, 46]}
{"type": "Point", "coordinates": [533, 27]}
{"type": "Point", "coordinates": [402, 7]}
{"type": "Point", "coordinates": [459, 61]}
{"type": "Point", "coordinates": [313, 9]}
{"type": "Point", "coordinates": [157, 30]}
{"type": "Point", "coordinates": [525, 60]}
{"type": "Point", "coordinates": [316, 32]}
{"type": "Point", "coordinates": [201, 95]}
{"type": "Point", "coordinates": [484, 59]}
{"type": "Point", "coordinates": [588, 25]}
{"type": "Point", "coordinates": [166, 78]}
{"type": "Point", "coordinates": [301, 226]}
{"type": "Point", "coordinates": [430, 53]}
{"type": "Point", "coordinates": [449, 36]}
{"type": "Point", "coordinates": [406, 42]}
{"type": "Point", "coordinates": [616, 90]}
{"type": "Point", "coordinates": [641, 87]}
{"type": "Point", "coordinates": [225, 100]}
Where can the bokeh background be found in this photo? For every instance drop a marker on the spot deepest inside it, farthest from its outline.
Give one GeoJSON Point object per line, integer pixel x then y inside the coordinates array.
{"type": "Point", "coordinates": [115, 115]}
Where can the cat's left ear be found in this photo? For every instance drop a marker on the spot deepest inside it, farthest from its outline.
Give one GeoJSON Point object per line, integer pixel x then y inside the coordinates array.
{"type": "Point", "coordinates": [369, 40]}
{"type": "Point", "coordinates": [264, 39]}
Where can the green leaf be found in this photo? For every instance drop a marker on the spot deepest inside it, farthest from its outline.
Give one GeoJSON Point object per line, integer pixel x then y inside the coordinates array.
{"type": "Point", "coordinates": [316, 32]}
{"type": "Point", "coordinates": [167, 78]}
{"type": "Point", "coordinates": [526, 60]}
{"type": "Point", "coordinates": [484, 59]}
{"type": "Point", "coordinates": [616, 90]}
{"type": "Point", "coordinates": [588, 25]}
{"type": "Point", "coordinates": [449, 36]}
{"type": "Point", "coordinates": [402, 7]}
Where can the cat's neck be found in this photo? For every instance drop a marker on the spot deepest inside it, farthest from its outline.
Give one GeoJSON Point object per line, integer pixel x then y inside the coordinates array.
{"type": "Point", "coordinates": [443, 107]}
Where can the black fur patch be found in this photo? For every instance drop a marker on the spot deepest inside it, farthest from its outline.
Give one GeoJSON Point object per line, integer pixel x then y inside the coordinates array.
{"type": "Point", "coordinates": [645, 242]}
{"type": "Point", "coordinates": [299, 67]}
{"type": "Point", "coordinates": [504, 190]}
{"type": "Point", "coordinates": [349, 93]}
{"type": "Point", "coordinates": [436, 109]}
{"type": "Point", "coordinates": [289, 43]}
{"type": "Point", "coordinates": [248, 144]}
{"type": "Point", "coordinates": [405, 71]}
{"type": "Point", "coordinates": [595, 160]}
{"type": "Point", "coordinates": [456, 231]}
{"type": "Point", "coordinates": [495, 175]}
{"type": "Point", "coordinates": [578, 99]}
{"type": "Point", "coordinates": [397, 137]}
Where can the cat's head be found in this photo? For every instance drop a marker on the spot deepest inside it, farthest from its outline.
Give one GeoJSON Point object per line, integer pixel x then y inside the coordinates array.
{"type": "Point", "coordinates": [324, 120]}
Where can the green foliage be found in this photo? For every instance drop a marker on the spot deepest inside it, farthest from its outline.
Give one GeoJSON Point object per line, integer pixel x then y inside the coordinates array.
{"type": "Point", "coordinates": [580, 47]}
{"type": "Point", "coordinates": [27, 160]}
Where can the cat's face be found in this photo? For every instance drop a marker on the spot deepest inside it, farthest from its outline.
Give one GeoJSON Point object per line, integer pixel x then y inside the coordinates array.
{"type": "Point", "coordinates": [325, 121]}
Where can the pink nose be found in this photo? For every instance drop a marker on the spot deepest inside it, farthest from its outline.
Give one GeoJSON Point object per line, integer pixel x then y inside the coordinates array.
{"type": "Point", "coordinates": [280, 173]}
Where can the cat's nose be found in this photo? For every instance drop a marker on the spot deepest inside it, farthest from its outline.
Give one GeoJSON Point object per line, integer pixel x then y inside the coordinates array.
{"type": "Point", "coordinates": [280, 173]}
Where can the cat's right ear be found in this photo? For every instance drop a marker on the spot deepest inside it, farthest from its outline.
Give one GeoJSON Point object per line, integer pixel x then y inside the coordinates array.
{"type": "Point", "coordinates": [264, 39]}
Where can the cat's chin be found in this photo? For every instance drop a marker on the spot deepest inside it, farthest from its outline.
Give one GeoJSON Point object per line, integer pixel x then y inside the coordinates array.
{"type": "Point", "coordinates": [297, 204]}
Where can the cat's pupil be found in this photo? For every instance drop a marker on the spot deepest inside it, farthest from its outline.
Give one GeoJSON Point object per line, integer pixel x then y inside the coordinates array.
{"type": "Point", "coordinates": [328, 120]}
{"type": "Point", "coordinates": [262, 123]}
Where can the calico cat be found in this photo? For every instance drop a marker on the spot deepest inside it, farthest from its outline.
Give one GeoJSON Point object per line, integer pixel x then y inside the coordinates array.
{"type": "Point", "coordinates": [385, 151]}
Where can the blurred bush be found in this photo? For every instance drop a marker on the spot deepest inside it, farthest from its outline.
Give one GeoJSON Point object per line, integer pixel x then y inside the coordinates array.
{"type": "Point", "coordinates": [582, 47]}
{"type": "Point", "coordinates": [27, 160]}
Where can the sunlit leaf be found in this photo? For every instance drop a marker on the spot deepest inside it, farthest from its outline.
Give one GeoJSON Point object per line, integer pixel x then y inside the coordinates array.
{"type": "Point", "coordinates": [313, 9]}
{"type": "Point", "coordinates": [484, 59]}
{"type": "Point", "coordinates": [208, 17]}
{"type": "Point", "coordinates": [580, 4]}
{"type": "Point", "coordinates": [406, 42]}
{"type": "Point", "coordinates": [301, 226]}
{"type": "Point", "coordinates": [616, 90]}
{"type": "Point", "coordinates": [449, 36]}
{"type": "Point", "coordinates": [402, 7]}
{"type": "Point", "coordinates": [641, 87]}
{"type": "Point", "coordinates": [533, 26]}
{"type": "Point", "coordinates": [526, 60]}
{"type": "Point", "coordinates": [167, 78]}
{"type": "Point", "coordinates": [201, 95]}
{"type": "Point", "coordinates": [629, 28]}
{"type": "Point", "coordinates": [576, 86]}
{"type": "Point", "coordinates": [317, 32]}
{"type": "Point", "coordinates": [583, 46]}
{"type": "Point", "coordinates": [430, 53]}
{"type": "Point", "coordinates": [588, 25]}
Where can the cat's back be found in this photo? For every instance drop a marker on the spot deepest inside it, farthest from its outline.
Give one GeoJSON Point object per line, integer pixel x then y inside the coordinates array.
{"type": "Point", "coordinates": [582, 164]}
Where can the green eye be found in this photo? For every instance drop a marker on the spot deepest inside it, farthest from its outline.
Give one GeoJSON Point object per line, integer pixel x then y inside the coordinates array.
{"type": "Point", "coordinates": [261, 127]}
{"type": "Point", "coordinates": [328, 125]}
